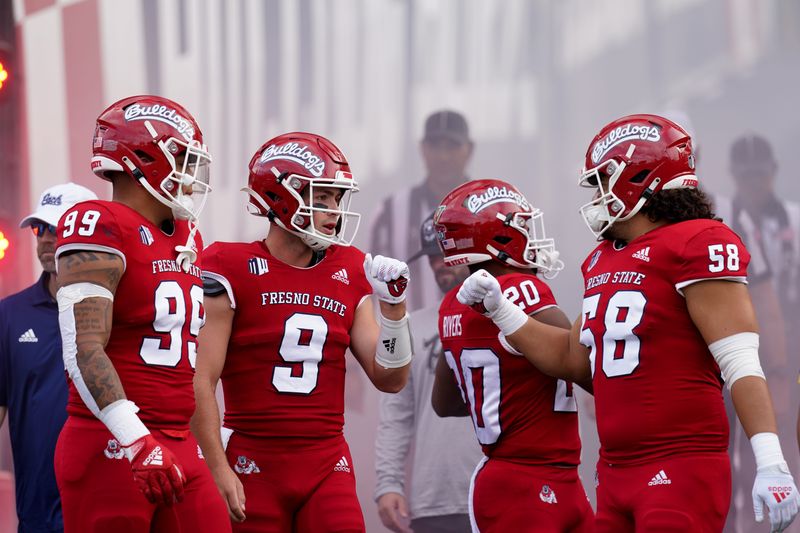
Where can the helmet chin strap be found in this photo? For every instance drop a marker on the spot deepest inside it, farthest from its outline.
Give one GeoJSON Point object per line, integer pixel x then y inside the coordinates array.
{"type": "Point", "coordinates": [184, 210]}
{"type": "Point", "coordinates": [312, 242]}
{"type": "Point", "coordinates": [187, 254]}
{"type": "Point", "coordinates": [552, 265]}
{"type": "Point", "coordinates": [596, 216]}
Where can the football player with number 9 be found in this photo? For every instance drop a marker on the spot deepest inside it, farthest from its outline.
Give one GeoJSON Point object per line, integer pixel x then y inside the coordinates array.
{"type": "Point", "coordinates": [666, 321]}
{"type": "Point", "coordinates": [130, 302]}
{"type": "Point", "coordinates": [526, 421]}
{"type": "Point", "coordinates": [282, 311]}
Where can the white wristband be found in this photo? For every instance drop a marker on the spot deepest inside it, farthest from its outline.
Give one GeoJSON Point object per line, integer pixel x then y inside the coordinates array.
{"type": "Point", "coordinates": [121, 420]}
{"type": "Point", "coordinates": [767, 450]}
{"type": "Point", "coordinates": [394, 343]}
{"type": "Point", "coordinates": [508, 317]}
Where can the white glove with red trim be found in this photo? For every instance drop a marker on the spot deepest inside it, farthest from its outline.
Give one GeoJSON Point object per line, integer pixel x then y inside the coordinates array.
{"type": "Point", "coordinates": [774, 486]}
{"type": "Point", "coordinates": [483, 293]}
{"type": "Point", "coordinates": [388, 277]}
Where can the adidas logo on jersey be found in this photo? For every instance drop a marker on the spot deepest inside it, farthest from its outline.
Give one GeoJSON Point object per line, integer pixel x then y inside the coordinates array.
{"type": "Point", "coordinates": [660, 479]}
{"type": "Point", "coordinates": [342, 465]}
{"type": "Point", "coordinates": [547, 495]}
{"type": "Point", "coordinates": [156, 457]}
{"type": "Point", "coordinates": [341, 276]}
{"type": "Point", "coordinates": [145, 235]}
{"type": "Point", "coordinates": [257, 266]}
{"type": "Point", "coordinates": [643, 254]}
{"type": "Point", "coordinates": [28, 336]}
{"type": "Point", "coordinates": [780, 493]}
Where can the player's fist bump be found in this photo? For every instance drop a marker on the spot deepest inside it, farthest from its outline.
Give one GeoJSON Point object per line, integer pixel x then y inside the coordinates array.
{"type": "Point", "coordinates": [388, 277]}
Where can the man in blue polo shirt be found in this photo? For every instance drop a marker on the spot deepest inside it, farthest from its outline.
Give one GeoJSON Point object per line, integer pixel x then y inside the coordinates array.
{"type": "Point", "coordinates": [33, 388]}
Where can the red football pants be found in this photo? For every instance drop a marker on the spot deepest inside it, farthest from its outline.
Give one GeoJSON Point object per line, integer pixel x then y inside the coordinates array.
{"type": "Point", "coordinates": [672, 495]}
{"type": "Point", "coordinates": [296, 485]}
{"type": "Point", "coordinates": [99, 495]}
{"type": "Point", "coordinates": [507, 496]}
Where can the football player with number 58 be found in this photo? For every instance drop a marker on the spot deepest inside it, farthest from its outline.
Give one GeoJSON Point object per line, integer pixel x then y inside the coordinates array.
{"type": "Point", "coordinates": [130, 303]}
{"type": "Point", "coordinates": [282, 311]}
{"type": "Point", "coordinates": [666, 320]}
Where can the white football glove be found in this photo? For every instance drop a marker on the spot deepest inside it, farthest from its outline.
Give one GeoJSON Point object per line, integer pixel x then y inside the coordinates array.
{"type": "Point", "coordinates": [388, 277]}
{"type": "Point", "coordinates": [482, 292]}
{"type": "Point", "coordinates": [775, 488]}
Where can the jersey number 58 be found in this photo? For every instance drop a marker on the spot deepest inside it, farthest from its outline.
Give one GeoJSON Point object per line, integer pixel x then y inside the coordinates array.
{"type": "Point", "coordinates": [722, 257]}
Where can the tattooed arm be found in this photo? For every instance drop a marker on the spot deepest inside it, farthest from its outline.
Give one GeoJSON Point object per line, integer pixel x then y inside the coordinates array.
{"type": "Point", "coordinates": [87, 282]}
{"type": "Point", "coordinates": [93, 320]}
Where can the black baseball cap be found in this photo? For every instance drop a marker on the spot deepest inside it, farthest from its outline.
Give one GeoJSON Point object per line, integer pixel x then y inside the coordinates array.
{"type": "Point", "coordinates": [752, 157]}
{"type": "Point", "coordinates": [447, 124]}
{"type": "Point", "coordinates": [427, 237]}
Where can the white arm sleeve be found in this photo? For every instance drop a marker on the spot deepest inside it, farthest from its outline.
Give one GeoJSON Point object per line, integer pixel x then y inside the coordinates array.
{"type": "Point", "coordinates": [120, 416]}
{"type": "Point", "coordinates": [67, 297]}
{"type": "Point", "coordinates": [737, 357]}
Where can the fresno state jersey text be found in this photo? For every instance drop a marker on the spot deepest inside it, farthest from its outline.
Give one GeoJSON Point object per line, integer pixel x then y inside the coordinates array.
{"type": "Point", "coordinates": [158, 309]}
{"type": "Point", "coordinates": [519, 414]}
{"type": "Point", "coordinates": [658, 390]}
{"type": "Point", "coordinates": [284, 372]}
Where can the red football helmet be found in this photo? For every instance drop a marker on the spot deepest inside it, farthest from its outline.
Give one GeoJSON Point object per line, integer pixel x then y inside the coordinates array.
{"type": "Point", "coordinates": [159, 144]}
{"type": "Point", "coordinates": [283, 175]}
{"type": "Point", "coordinates": [483, 220]}
{"type": "Point", "coordinates": [631, 159]}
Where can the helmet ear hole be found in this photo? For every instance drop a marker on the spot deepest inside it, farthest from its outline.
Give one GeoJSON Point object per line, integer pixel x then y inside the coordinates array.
{"type": "Point", "coordinates": [502, 239]}
{"type": "Point", "coordinates": [273, 198]}
{"type": "Point", "coordinates": [640, 177]}
{"type": "Point", "coordinates": [143, 156]}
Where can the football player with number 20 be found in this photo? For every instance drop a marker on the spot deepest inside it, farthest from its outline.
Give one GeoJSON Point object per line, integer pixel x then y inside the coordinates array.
{"type": "Point", "coordinates": [526, 421]}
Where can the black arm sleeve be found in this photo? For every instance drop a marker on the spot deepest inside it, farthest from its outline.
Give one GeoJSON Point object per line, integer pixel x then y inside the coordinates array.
{"type": "Point", "coordinates": [212, 287]}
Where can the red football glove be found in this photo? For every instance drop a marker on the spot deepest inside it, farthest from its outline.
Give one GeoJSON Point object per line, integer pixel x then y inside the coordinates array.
{"type": "Point", "coordinates": [155, 470]}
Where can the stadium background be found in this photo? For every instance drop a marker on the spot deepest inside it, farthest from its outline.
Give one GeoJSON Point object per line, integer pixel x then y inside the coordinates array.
{"type": "Point", "coordinates": [535, 80]}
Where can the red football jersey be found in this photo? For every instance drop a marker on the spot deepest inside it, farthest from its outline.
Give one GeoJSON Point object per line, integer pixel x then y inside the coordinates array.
{"type": "Point", "coordinates": [657, 388]}
{"type": "Point", "coordinates": [519, 414]}
{"type": "Point", "coordinates": [284, 373]}
{"type": "Point", "coordinates": [158, 309]}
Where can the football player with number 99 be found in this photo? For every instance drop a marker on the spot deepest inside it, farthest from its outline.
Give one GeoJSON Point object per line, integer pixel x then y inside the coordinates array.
{"type": "Point", "coordinates": [666, 321]}
{"type": "Point", "coordinates": [130, 307]}
{"type": "Point", "coordinates": [282, 311]}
